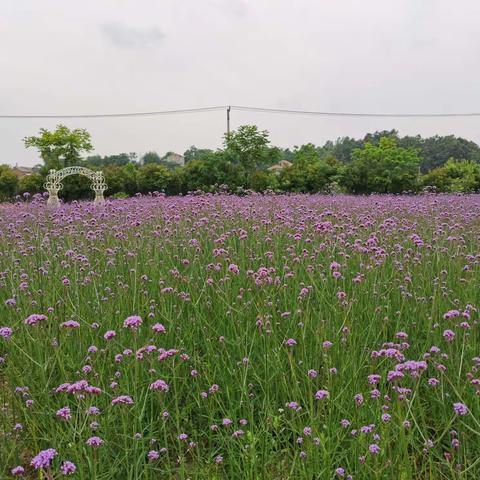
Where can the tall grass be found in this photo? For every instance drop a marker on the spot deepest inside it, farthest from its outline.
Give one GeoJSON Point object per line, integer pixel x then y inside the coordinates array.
{"type": "Point", "coordinates": [265, 300]}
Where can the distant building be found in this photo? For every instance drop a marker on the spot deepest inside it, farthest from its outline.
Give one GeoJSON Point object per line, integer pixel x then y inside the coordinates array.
{"type": "Point", "coordinates": [278, 167]}
{"type": "Point", "coordinates": [175, 158]}
{"type": "Point", "coordinates": [22, 171]}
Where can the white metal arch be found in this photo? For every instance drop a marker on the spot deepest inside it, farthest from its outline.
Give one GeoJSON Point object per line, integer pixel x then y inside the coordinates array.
{"type": "Point", "coordinates": [54, 182]}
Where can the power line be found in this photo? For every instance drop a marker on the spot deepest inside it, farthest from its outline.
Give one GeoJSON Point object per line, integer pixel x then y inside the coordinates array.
{"type": "Point", "coordinates": [131, 114]}
{"type": "Point", "coordinates": [352, 114]}
{"type": "Point", "coordinates": [248, 109]}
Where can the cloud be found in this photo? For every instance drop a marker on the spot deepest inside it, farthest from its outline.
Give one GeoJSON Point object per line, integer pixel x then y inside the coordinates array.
{"type": "Point", "coordinates": [236, 8]}
{"type": "Point", "coordinates": [124, 36]}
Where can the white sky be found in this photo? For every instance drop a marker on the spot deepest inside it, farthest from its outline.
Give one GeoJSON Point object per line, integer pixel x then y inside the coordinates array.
{"type": "Point", "coordinates": [97, 56]}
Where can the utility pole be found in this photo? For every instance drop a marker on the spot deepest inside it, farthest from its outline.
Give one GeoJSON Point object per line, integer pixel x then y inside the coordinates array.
{"type": "Point", "coordinates": [228, 121]}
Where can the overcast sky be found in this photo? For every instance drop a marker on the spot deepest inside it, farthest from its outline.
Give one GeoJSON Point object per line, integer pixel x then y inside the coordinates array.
{"type": "Point", "coordinates": [97, 56]}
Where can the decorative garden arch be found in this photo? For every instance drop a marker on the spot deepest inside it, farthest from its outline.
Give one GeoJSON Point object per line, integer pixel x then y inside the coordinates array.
{"type": "Point", "coordinates": [54, 182]}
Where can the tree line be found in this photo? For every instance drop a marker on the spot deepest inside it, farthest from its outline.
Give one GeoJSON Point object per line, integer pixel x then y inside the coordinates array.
{"type": "Point", "coordinates": [381, 162]}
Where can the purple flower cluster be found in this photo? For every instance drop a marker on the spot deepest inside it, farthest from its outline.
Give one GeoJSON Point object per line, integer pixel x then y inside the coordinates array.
{"type": "Point", "coordinates": [43, 459]}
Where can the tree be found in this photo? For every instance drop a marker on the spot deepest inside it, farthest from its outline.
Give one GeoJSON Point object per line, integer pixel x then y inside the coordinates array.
{"type": "Point", "coordinates": [174, 186]}
{"type": "Point", "coordinates": [311, 174]}
{"type": "Point", "coordinates": [263, 180]}
{"type": "Point", "coordinates": [116, 180]}
{"type": "Point", "coordinates": [343, 148]}
{"type": "Point", "coordinates": [437, 180]}
{"type": "Point", "coordinates": [454, 176]}
{"type": "Point", "coordinates": [383, 168]}
{"type": "Point", "coordinates": [436, 151]}
{"type": "Point", "coordinates": [120, 159]}
{"type": "Point", "coordinates": [153, 178]}
{"type": "Point", "coordinates": [465, 175]}
{"type": "Point", "coordinates": [121, 179]}
{"type": "Point", "coordinates": [412, 142]}
{"type": "Point", "coordinates": [150, 157]}
{"type": "Point", "coordinates": [8, 183]}
{"type": "Point", "coordinates": [60, 148]}
{"type": "Point", "coordinates": [305, 154]}
{"type": "Point", "coordinates": [130, 175]}
{"type": "Point", "coordinates": [194, 153]}
{"type": "Point", "coordinates": [232, 175]}
{"type": "Point", "coordinates": [249, 147]}
{"type": "Point", "coordinates": [31, 184]}
{"type": "Point", "coordinates": [375, 137]}
{"type": "Point", "coordinates": [288, 155]}
{"type": "Point", "coordinates": [198, 175]}
{"type": "Point", "coordinates": [76, 187]}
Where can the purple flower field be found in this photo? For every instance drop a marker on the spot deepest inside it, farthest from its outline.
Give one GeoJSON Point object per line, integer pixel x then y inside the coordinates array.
{"type": "Point", "coordinates": [256, 337]}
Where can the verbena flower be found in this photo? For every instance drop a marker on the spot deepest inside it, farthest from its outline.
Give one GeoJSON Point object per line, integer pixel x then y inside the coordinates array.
{"type": "Point", "coordinates": [64, 413]}
{"type": "Point", "coordinates": [68, 468]}
{"type": "Point", "coordinates": [94, 442]}
{"type": "Point", "coordinates": [122, 399]}
{"type": "Point", "coordinates": [449, 335]}
{"type": "Point", "coordinates": [17, 471]}
{"type": "Point", "coordinates": [6, 332]}
{"type": "Point", "coordinates": [109, 334]}
{"type": "Point", "coordinates": [159, 328]}
{"type": "Point", "coordinates": [71, 324]}
{"type": "Point", "coordinates": [374, 449]}
{"type": "Point", "coordinates": [159, 385]}
{"type": "Point", "coordinates": [133, 322]}
{"type": "Point", "coordinates": [43, 459]}
{"type": "Point", "coordinates": [34, 319]}
{"type": "Point", "coordinates": [460, 408]}
{"type": "Point", "coordinates": [321, 394]}
{"type": "Point", "coordinates": [153, 455]}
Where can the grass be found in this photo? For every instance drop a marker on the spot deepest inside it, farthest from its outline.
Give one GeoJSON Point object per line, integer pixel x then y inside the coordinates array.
{"type": "Point", "coordinates": [232, 279]}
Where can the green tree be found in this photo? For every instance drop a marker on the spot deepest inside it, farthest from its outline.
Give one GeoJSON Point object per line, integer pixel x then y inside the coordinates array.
{"type": "Point", "coordinates": [116, 180]}
{"type": "Point", "coordinates": [436, 179]}
{"type": "Point", "coordinates": [194, 153]}
{"type": "Point", "coordinates": [121, 179]}
{"type": "Point", "coordinates": [153, 178]}
{"type": "Point", "coordinates": [287, 154]}
{"type": "Point", "coordinates": [31, 184]}
{"type": "Point", "coordinates": [343, 148]}
{"type": "Point", "coordinates": [120, 159]}
{"type": "Point", "coordinates": [198, 175]}
{"type": "Point", "coordinates": [232, 175]}
{"type": "Point", "coordinates": [454, 176]}
{"type": "Point", "coordinates": [311, 175]}
{"type": "Point", "coordinates": [76, 187]}
{"type": "Point", "coordinates": [305, 154]}
{"type": "Point", "coordinates": [8, 183]}
{"type": "Point", "coordinates": [464, 174]}
{"type": "Point", "coordinates": [263, 180]}
{"type": "Point", "coordinates": [213, 170]}
{"type": "Point", "coordinates": [130, 175]}
{"type": "Point", "coordinates": [175, 186]}
{"type": "Point", "coordinates": [436, 151]}
{"type": "Point", "coordinates": [60, 148]}
{"type": "Point", "coordinates": [412, 142]}
{"type": "Point", "coordinates": [375, 137]}
{"type": "Point", "coordinates": [151, 157]}
{"type": "Point", "coordinates": [250, 148]}
{"type": "Point", "coordinates": [383, 168]}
